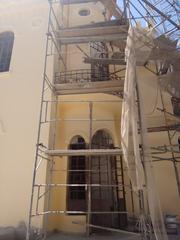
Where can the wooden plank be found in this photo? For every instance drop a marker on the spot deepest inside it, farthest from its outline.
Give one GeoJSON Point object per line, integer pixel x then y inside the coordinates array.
{"type": "Point", "coordinates": [89, 87]}
{"type": "Point", "coordinates": [101, 38]}
{"type": "Point", "coordinates": [67, 2]}
{"type": "Point", "coordinates": [110, 23]}
{"type": "Point", "coordinates": [164, 128]}
{"type": "Point", "coordinates": [105, 61]}
{"type": "Point", "coordinates": [84, 152]}
{"type": "Point", "coordinates": [92, 31]}
{"type": "Point", "coordinates": [108, 61]}
{"type": "Point", "coordinates": [87, 91]}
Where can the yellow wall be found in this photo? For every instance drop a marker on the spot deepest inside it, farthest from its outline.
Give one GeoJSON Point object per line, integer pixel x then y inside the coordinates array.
{"type": "Point", "coordinates": [66, 131]}
{"type": "Point", "coordinates": [19, 112]}
{"type": "Point", "coordinates": [164, 172]}
{"type": "Point", "coordinates": [20, 94]}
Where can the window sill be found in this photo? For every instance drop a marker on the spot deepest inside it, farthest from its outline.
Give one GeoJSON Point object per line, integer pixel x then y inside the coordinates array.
{"type": "Point", "coordinates": [5, 74]}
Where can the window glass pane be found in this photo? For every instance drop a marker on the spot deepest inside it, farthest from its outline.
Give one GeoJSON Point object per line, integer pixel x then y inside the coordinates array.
{"type": "Point", "coordinates": [77, 175]}
{"type": "Point", "coordinates": [84, 12]}
{"type": "Point", "coordinates": [6, 45]}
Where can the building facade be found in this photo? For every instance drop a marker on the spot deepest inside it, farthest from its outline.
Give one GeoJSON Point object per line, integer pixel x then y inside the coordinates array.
{"type": "Point", "coordinates": [86, 120]}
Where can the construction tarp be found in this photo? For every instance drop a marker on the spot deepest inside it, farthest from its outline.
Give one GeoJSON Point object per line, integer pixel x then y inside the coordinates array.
{"type": "Point", "coordinates": [134, 139]}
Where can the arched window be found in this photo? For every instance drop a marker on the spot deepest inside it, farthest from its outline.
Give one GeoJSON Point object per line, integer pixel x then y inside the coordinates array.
{"type": "Point", "coordinates": [107, 171]}
{"type": "Point", "coordinates": [76, 195]}
{"type": "Point", "coordinates": [6, 46]}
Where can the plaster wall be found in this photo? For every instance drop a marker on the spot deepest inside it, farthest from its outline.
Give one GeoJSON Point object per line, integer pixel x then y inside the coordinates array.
{"type": "Point", "coordinates": [20, 90]}
{"type": "Point", "coordinates": [20, 94]}
{"type": "Point", "coordinates": [164, 171]}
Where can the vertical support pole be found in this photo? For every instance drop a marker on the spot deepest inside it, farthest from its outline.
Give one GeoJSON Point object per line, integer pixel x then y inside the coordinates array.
{"type": "Point", "coordinates": [141, 202]}
{"type": "Point", "coordinates": [125, 9]}
{"type": "Point", "coordinates": [123, 183]}
{"type": "Point", "coordinates": [100, 178]}
{"type": "Point", "coordinates": [109, 182]}
{"type": "Point", "coordinates": [53, 124]}
{"type": "Point", "coordinates": [132, 199]}
{"type": "Point", "coordinates": [50, 166]}
{"type": "Point", "coordinates": [89, 200]}
{"type": "Point", "coordinates": [37, 203]}
{"type": "Point", "coordinates": [39, 134]}
{"type": "Point", "coordinates": [116, 177]}
{"type": "Point", "coordinates": [121, 193]}
{"type": "Point", "coordinates": [142, 214]}
{"type": "Point", "coordinates": [141, 193]}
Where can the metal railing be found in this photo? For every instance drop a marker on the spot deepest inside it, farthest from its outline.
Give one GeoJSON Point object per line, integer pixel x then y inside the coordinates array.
{"type": "Point", "coordinates": [84, 75]}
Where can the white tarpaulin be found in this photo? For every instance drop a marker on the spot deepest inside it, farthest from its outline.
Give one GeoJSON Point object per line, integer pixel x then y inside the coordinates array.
{"type": "Point", "coordinates": [170, 83]}
{"type": "Point", "coordinates": [131, 140]}
{"type": "Point", "coordinates": [129, 127]}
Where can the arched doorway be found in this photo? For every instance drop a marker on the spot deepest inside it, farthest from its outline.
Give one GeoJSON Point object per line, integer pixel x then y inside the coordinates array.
{"type": "Point", "coordinates": [104, 172]}
{"type": "Point", "coordinates": [76, 195]}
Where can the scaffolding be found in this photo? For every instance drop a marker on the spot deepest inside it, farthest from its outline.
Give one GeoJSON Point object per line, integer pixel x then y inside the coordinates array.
{"type": "Point", "coordinates": [100, 78]}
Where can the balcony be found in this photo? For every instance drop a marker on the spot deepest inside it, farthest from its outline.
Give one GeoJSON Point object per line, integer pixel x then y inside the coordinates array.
{"type": "Point", "coordinates": [85, 81]}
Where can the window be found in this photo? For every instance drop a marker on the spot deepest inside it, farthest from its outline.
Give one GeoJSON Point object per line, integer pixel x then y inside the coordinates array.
{"type": "Point", "coordinates": [84, 12]}
{"type": "Point", "coordinates": [176, 105]}
{"type": "Point", "coordinates": [77, 164]}
{"type": "Point", "coordinates": [6, 46]}
{"type": "Point", "coordinates": [99, 72]}
{"type": "Point", "coordinates": [107, 171]}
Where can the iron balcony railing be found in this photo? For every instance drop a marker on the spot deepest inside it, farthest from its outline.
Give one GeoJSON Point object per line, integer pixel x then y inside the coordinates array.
{"type": "Point", "coordinates": [84, 75]}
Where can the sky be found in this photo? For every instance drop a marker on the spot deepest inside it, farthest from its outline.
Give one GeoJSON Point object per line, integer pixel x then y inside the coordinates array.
{"type": "Point", "coordinates": [134, 12]}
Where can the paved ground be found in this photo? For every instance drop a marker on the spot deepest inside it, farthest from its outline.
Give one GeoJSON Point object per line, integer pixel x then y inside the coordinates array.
{"type": "Point", "coordinates": [106, 236]}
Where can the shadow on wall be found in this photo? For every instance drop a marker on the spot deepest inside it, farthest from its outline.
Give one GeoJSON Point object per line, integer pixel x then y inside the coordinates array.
{"type": "Point", "coordinates": [17, 233]}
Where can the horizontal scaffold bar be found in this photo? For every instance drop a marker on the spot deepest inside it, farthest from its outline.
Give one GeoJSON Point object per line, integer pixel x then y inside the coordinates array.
{"type": "Point", "coordinates": [83, 101]}
{"type": "Point", "coordinates": [78, 212]}
{"type": "Point", "coordinates": [87, 170]}
{"type": "Point", "coordinates": [78, 185]}
{"type": "Point", "coordinates": [84, 152]}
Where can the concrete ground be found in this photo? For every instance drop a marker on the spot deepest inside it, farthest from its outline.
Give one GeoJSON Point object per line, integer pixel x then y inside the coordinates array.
{"type": "Point", "coordinates": [101, 236]}
{"type": "Point", "coordinates": [105, 236]}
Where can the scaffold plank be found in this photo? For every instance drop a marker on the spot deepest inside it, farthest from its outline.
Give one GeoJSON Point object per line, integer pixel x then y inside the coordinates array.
{"type": "Point", "coordinates": [86, 39]}
{"type": "Point", "coordinates": [89, 87]}
{"type": "Point", "coordinates": [68, 2]}
{"type": "Point", "coordinates": [92, 31]}
{"type": "Point", "coordinates": [84, 152]}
